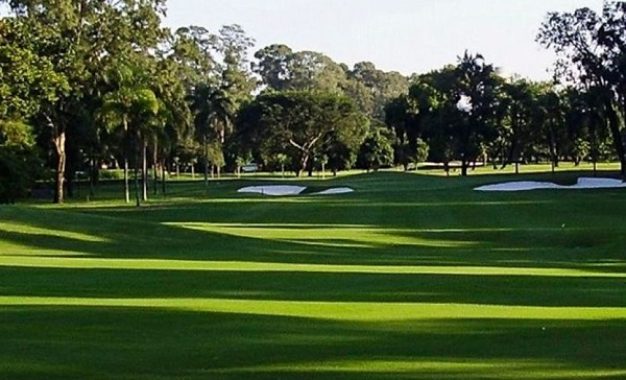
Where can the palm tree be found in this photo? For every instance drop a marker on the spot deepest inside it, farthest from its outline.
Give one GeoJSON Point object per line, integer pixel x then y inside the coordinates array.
{"type": "Point", "coordinates": [214, 112]}
{"type": "Point", "coordinates": [129, 108]}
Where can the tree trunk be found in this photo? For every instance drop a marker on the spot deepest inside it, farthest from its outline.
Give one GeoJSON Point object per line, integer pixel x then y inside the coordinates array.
{"type": "Point", "coordinates": [137, 191]}
{"type": "Point", "coordinates": [464, 168]}
{"type": "Point", "coordinates": [155, 166]}
{"type": "Point", "coordinates": [512, 153]}
{"type": "Point", "coordinates": [126, 148]}
{"type": "Point", "coordinates": [206, 172]}
{"type": "Point", "coordinates": [126, 180]}
{"type": "Point", "coordinates": [144, 171]}
{"type": "Point", "coordinates": [553, 152]}
{"type": "Point", "coordinates": [618, 140]}
{"type": "Point", "coordinates": [206, 161]}
{"type": "Point", "coordinates": [464, 165]}
{"type": "Point", "coordinates": [303, 164]}
{"type": "Point", "coordinates": [59, 145]}
{"type": "Point", "coordinates": [92, 175]}
{"type": "Point", "coordinates": [163, 168]}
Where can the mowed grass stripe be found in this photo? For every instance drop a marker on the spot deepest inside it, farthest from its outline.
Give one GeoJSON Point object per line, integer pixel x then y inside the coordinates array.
{"type": "Point", "coordinates": [346, 311]}
{"type": "Point", "coordinates": [251, 266]}
{"type": "Point", "coordinates": [470, 367]}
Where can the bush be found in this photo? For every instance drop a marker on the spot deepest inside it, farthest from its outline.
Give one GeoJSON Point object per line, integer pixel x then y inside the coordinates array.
{"type": "Point", "coordinates": [18, 172]}
{"type": "Point", "coordinates": [111, 174]}
{"type": "Point", "coordinates": [19, 164]}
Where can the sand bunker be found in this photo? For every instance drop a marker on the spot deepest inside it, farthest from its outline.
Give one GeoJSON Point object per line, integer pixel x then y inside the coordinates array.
{"type": "Point", "coordinates": [273, 190]}
{"type": "Point", "coordinates": [583, 183]}
{"type": "Point", "coordinates": [336, 190]}
{"type": "Point", "coordinates": [281, 190]}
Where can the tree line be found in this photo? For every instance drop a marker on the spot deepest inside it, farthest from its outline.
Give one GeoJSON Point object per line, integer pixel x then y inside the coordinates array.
{"type": "Point", "coordinates": [91, 84]}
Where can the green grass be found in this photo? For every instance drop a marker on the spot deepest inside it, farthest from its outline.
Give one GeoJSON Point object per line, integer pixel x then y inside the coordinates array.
{"type": "Point", "coordinates": [412, 276]}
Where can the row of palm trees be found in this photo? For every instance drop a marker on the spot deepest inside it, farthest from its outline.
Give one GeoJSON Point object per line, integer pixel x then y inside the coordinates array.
{"type": "Point", "coordinates": [213, 119]}
{"type": "Point", "coordinates": [134, 112]}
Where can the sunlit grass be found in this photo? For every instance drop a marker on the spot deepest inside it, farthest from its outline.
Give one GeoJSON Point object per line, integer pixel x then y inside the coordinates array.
{"type": "Point", "coordinates": [36, 231]}
{"type": "Point", "coordinates": [346, 236]}
{"type": "Point", "coordinates": [242, 266]}
{"type": "Point", "coordinates": [411, 276]}
{"type": "Point", "coordinates": [342, 311]}
{"type": "Point", "coordinates": [442, 369]}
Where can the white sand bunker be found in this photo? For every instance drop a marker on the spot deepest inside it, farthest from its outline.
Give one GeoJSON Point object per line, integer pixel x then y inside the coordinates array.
{"type": "Point", "coordinates": [336, 190]}
{"type": "Point", "coordinates": [583, 183]}
{"type": "Point", "coordinates": [273, 190]}
{"type": "Point", "coordinates": [281, 190]}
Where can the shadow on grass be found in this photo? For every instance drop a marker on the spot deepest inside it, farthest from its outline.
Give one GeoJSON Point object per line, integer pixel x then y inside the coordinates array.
{"type": "Point", "coordinates": [398, 213]}
{"type": "Point", "coordinates": [520, 234]}
{"type": "Point", "coordinates": [314, 286]}
{"type": "Point", "coordinates": [80, 343]}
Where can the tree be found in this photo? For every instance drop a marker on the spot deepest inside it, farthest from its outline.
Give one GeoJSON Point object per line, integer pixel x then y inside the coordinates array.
{"type": "Point", "coordinates": [315, 71]}
{"type": "Point", "coordinates": [592, 50]}
{"type": "Point", "coordinates": [381, 86]}
{"type": "Point", "coordinates": [596, 123]}
{"type": "Point", "coordinates": [214, 115]}
{"type": "Point", "coordinates": [19, 163]}
{"type": "Point", "coordinates": [86, 36]}
{"type": "Point", "coordinates": [192, 50]}
{"type": "Point", "coordinates": [522, 117]}
{"type": "Point", "coordinates": [173, 123]}
{"type": "Point", "coordinates": [187, 71]}
{"type": "Point", "coordinates": [282, 160]}
{"type": "Point", "coordinates": [405, 116]}
{"type": "Point", "coordinates": [300, 124]}
{"type": "Point", "coordinates": [215, 156]}
{"type": "Point", "coordinates": [274, 66]}
{"type": "Point", "coordinates": [24, 65]}
{"type": "Point", "coordinates": [476, 101]}
{"type": "Point", "coordinates": [377, 149]}
{"type": "Point", "coordinates": [236, 79]}
{"type": "Point", "coordinates": [453, 108]}
{"type": "Point", "coordinates": [340, 150]}
{"type": "Point", "coordinates": [281, 68]}
{"type": "Point", "coordinates": [129, 110]}
{"type": "Point", "coordinates": [434, 98]}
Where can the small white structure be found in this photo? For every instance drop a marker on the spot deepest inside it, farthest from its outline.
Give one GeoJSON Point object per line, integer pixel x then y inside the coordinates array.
{"type": "Point", "coordinates": [250, 168]}
{"type": "Point", "coordinates": [583, 183]}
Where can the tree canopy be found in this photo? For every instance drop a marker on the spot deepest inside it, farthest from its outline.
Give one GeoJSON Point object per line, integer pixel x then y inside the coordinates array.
{"type": "Point", "coordinates": [96, 84]}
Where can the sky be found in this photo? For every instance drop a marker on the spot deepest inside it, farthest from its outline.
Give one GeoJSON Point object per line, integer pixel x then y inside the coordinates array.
{"type": "Point", "coordinates": [409, 36]}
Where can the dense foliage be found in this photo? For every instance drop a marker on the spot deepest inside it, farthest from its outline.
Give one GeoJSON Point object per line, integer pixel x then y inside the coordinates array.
{"type": "Point", "coordinates": [104, 84]}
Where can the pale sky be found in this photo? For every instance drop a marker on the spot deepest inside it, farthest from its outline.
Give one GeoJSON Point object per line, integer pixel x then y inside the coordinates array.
{"type": "Point", "coordinates": [402, 35]}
